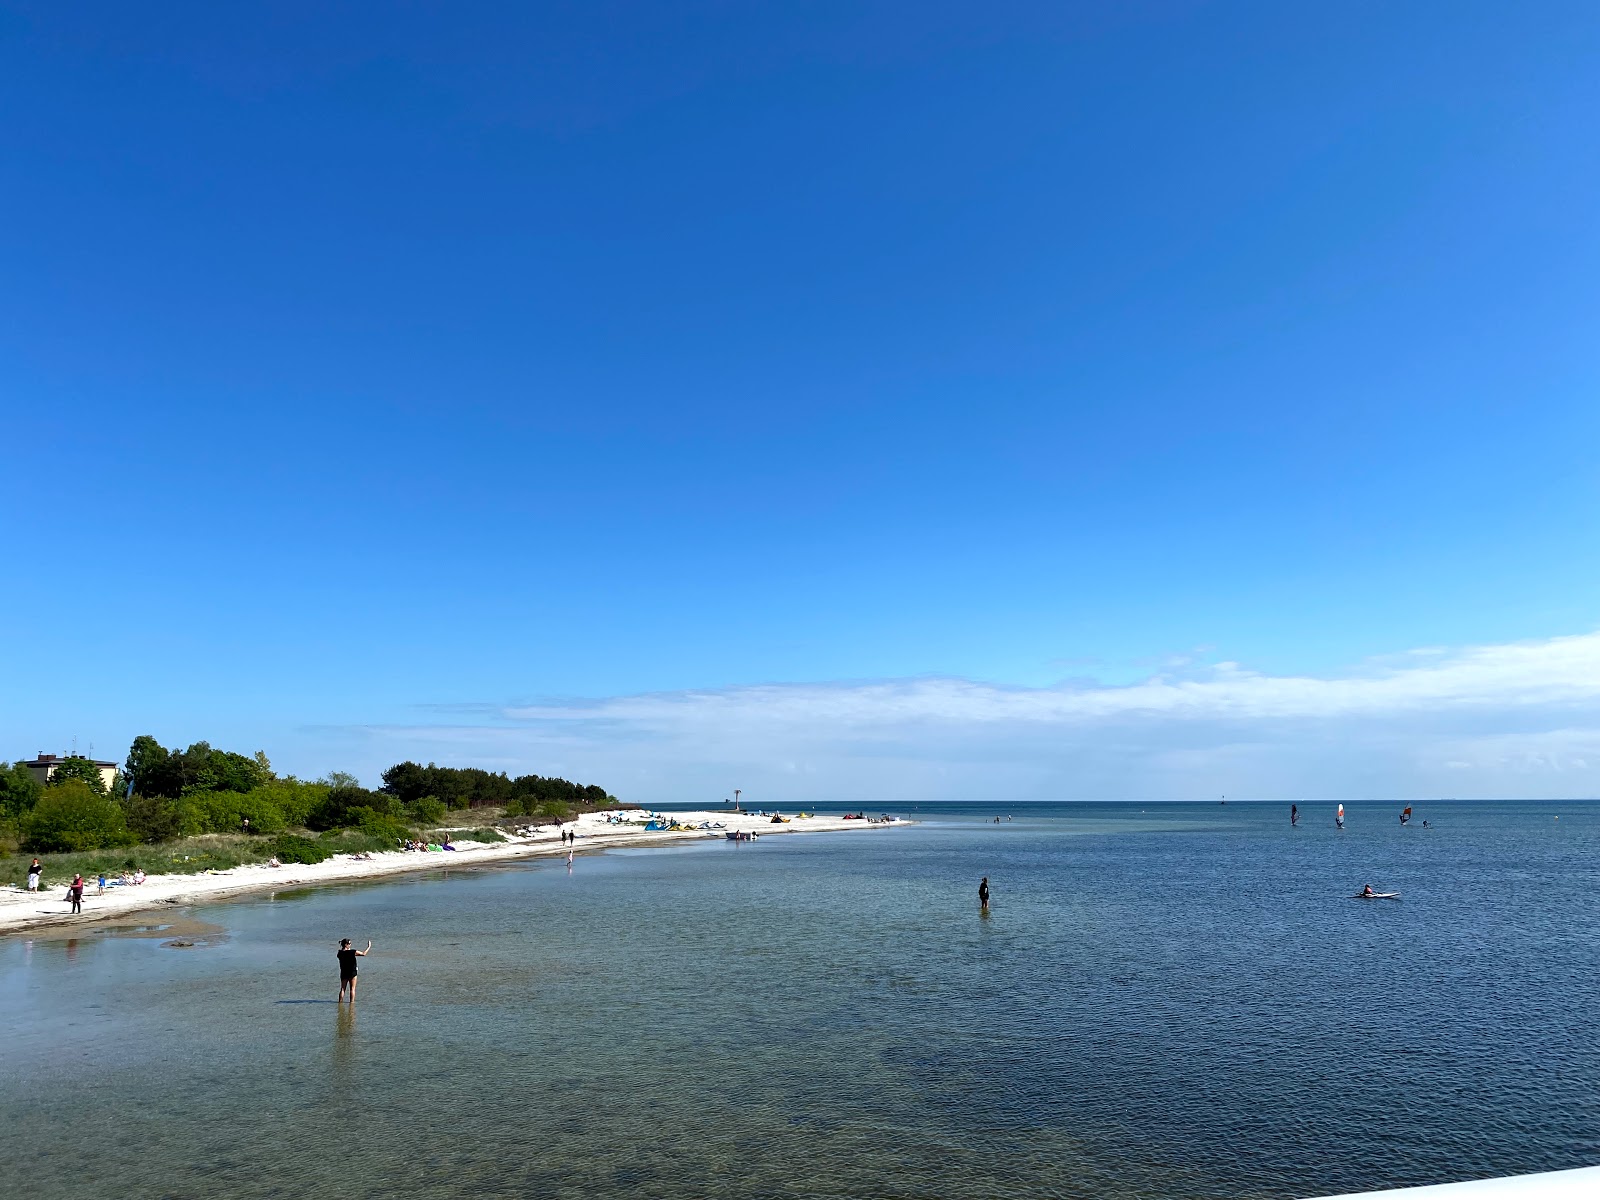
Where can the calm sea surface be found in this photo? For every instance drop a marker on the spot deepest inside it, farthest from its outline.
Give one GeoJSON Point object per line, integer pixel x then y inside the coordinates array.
{"type": "Point", "coordinates": [1165, 1001]}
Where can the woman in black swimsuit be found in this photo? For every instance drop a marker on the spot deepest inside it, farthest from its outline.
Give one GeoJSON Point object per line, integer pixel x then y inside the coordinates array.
{"type": "Point", "coordinates": [347, 967]}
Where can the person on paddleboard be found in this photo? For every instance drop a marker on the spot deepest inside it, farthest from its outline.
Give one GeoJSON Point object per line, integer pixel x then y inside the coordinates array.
{"type": "Point", "coordinates": [1366, 892]}
{"type": "Point", "coordinates": [1294, 814]}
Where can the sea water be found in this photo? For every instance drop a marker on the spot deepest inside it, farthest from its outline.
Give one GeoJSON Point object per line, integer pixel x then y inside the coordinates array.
{"type": "Point", "coordinates": [1165, 1000]}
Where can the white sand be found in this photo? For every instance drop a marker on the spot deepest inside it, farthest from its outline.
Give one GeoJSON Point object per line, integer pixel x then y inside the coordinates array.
{"type": "Point", "coordinates": [20, 910]}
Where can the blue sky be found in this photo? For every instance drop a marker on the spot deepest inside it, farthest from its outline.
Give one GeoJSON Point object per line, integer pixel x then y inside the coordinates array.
{"type": "Point", "coordinates": [713, 395]}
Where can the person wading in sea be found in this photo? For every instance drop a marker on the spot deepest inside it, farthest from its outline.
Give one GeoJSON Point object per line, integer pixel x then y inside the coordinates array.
{"type": "Point", "coordinates": [347, 967]}
{"type": "Point", "coordinates": [983, 894]}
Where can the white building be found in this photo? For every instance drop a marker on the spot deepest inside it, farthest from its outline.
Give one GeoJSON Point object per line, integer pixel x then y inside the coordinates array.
{"type": "Point", "coordinates": [45, 766]}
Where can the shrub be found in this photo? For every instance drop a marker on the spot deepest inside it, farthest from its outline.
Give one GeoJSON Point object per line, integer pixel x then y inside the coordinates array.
{"type": "Point", "coordinates": [286, 847]}
{"type": "Point", "coordinates": [379, 825]}
{"type": "Point", "coordinates": [151, 818]}
{"type": "Point", "coordinates": [225, 812]}
{"type": "Point", "coordinates": [73, 816]}
{"type": "Point", "coordinates": [486, 834]}
{"type": "Point", "coordinates": [426, 811]}
{"type": "Point", "coordinates": [293, 799]}
{"type": "Point", "coordinates": [335, 810]}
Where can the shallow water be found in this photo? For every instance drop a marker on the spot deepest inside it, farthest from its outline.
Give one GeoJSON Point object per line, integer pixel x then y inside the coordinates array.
{"type": "Point", "coordinates": [1165, 1001]}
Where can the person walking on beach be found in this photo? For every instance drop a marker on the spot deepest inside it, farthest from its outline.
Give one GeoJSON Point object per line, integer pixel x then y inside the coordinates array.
{"type": "Point", "coordinates": [347, 966]}
{"type": "Point", "coordinates": [983, 894]}
{"type": "Point", "coordinates": [75, 893]}
{"type": "Point", "coordinates": [35, 869]}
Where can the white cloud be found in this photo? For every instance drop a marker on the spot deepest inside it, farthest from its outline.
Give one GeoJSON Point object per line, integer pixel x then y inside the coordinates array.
{"type": "Point", "coordinates": [1513, 719]}
{"type": "Point", "coordinates": [1557, 671]}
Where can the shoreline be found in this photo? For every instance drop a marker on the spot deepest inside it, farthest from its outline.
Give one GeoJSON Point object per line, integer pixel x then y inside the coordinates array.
{"type": "Point", "coordinates": [21, 911]}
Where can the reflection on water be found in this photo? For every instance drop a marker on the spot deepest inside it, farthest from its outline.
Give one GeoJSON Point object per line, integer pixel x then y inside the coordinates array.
{"type": "Point", "coordinates": [1159, 1003]}
{"type": "Point", "coordinates": [344, 1050]}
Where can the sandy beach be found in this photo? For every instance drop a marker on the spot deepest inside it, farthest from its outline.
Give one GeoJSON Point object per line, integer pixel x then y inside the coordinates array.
{"type": "Point", "coordinates": [21, 911]}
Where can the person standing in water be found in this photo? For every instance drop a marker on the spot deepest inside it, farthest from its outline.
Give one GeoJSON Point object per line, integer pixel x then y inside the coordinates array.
{"type": "Point", "coordinates": [983, 894]}
{"type": "Point", "coordinates": [347, 967]}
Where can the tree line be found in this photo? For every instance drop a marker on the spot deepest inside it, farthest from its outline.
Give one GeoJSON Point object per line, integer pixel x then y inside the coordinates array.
{"type": "Point", "coordinates": [162, 794]}
{"type": "Point", "coordinates": [471, 787]}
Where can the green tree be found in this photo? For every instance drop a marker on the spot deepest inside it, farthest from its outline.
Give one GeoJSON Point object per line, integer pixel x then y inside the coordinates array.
{"type": "Point", "coordinates": [230, 772]}
{"type": "Point", "coordinates": [406, 780]}
{"type": "Point", "coordinates": [73, 816]}
{"type": "Point", "coordinates": [339, 808]}
{"type": "Point", "coordinates": [147, 765]}
{"type": "Point", "coordinates": [225, 812]}
{"type": "Point", "coordinates": [151, 818]}
{"type": "Point", "coordinates": [19, 791]}
{"type": "Point", "coordinates": [77, 768]}
{"type": "Point", "coordinates": [295, 800]}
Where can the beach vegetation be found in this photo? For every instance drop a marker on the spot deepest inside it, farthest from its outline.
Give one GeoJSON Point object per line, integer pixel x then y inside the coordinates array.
{"type": "Point", "coordinates": [426, 810]}
{"type": "Point", "coordinates": [473, 787]}
{"type": "Point", "coordinates": [186, 809]}
{"type": "Point", "coordinates": [287, 847]}
{"type": "Point", "coordinates": [347, 803]}
{"type": "Point", "coordinates": [157, 771]}
{"type": "Point", "coordinates": [19, 791]}
{"type": "Point", "coordinates": [73, 816]}
{"type": "Point", "coordinates": [218, 812]}
{"type": "Point", "coordinates": [378, 825]}
{"type": "Point", "coordinates": [151, 818]}
{"type": "Point", "coordinates": [483, 833]}
{"type": "Point", "coordinates": [277, 805]}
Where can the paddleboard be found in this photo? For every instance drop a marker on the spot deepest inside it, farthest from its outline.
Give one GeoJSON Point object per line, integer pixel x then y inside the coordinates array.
{"type": "Point", "coordinates": [1377, 896]}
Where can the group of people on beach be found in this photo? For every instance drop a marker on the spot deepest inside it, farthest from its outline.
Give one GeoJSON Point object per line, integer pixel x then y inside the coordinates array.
{"type": "Point", "coordinates": [78, 886]}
